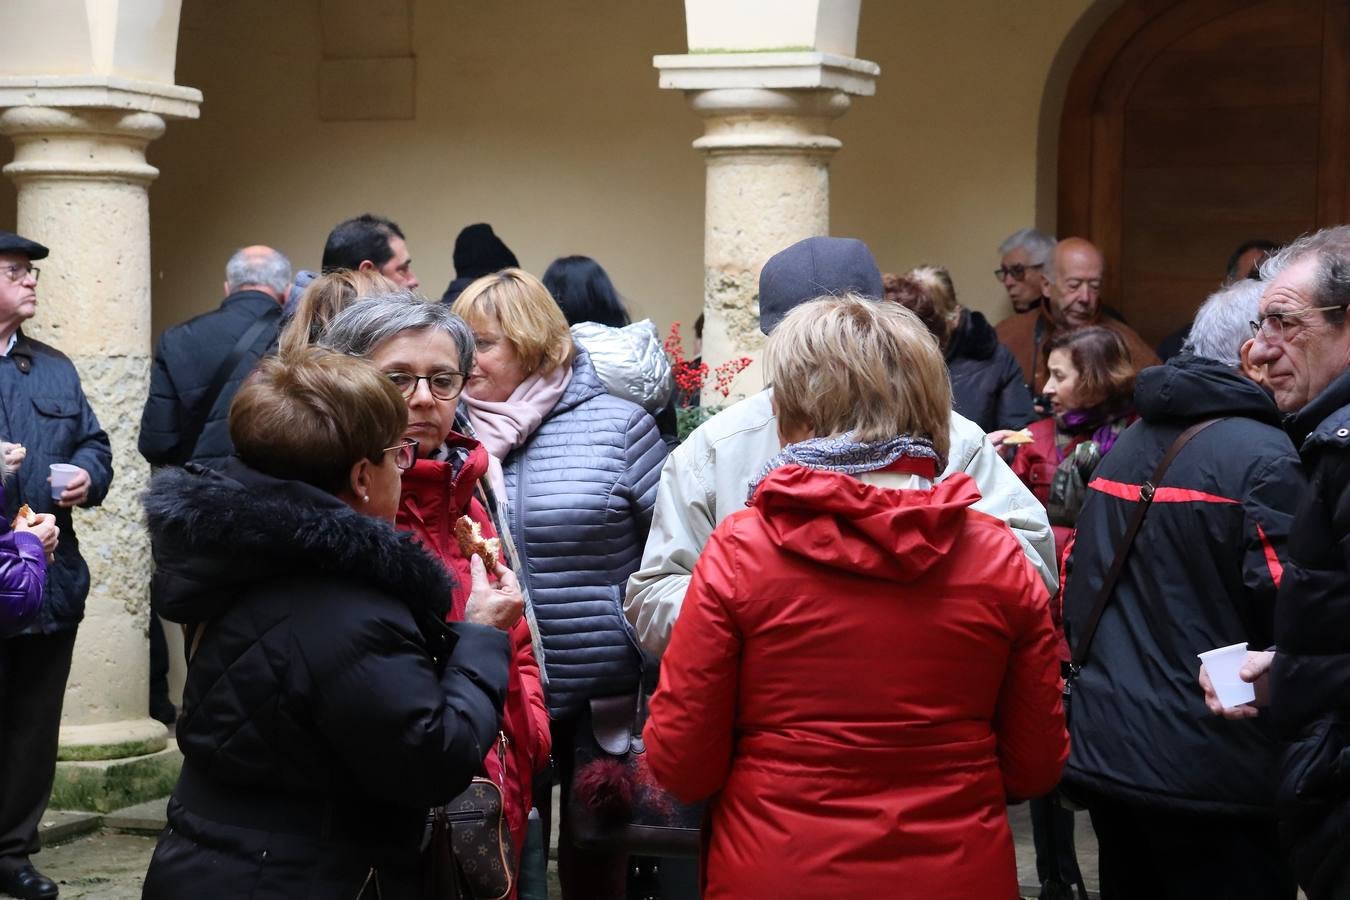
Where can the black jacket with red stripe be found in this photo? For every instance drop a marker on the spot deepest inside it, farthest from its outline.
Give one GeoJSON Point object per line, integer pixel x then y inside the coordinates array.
{"type": "Point", "coordinates": [1310, 681]}
{"type": "Point", "coordinates": [1203, 573]}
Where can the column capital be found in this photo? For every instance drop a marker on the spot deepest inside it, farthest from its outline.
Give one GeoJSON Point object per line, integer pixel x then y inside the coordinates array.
{"type": "Point", "coordinates": [169, 101]}
{"type": "Point", "coordinates": [804, 70]}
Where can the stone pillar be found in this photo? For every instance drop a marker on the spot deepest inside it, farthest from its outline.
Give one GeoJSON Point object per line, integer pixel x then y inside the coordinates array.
{"type": "Point", "coordinates": [767, 146]}
{"type": "Point", "coordinates": [82, 177]}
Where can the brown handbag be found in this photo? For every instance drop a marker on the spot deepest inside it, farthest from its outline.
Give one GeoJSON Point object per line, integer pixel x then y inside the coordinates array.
{"type": "Point", "coordinates": [471, 855]}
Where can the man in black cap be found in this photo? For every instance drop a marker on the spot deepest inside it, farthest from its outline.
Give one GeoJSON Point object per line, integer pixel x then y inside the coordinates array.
{"type": "Point", "coordinates": [707, 477]}
{"type": "Point", "coordinates": [43, 408]}
{"type": "Point", "coordinates": [478, 252]}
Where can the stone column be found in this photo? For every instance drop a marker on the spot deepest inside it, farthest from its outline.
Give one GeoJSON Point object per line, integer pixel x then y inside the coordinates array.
{"type": "Point", "coordinates": [767, 146]}
{"type": "Point", "coordinates": [82, 177]}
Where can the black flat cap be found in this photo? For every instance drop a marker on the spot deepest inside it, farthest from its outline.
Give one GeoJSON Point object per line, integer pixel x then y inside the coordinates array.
{"type": "Point", "coordinates": [12, 243]}
{"type": "Point", "coordinates": [815, 267]}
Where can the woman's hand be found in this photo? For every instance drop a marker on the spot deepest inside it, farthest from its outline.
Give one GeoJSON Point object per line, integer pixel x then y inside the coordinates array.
{"type": "Point", "coordinates": [997, 437]}
{"type": "Point", "coordinates": [12, 454]}
{"type": "Point", "coordinates": [1254, 671]}
{"type": "Point", "coordinates": [500, 605]}
{"type": "Point", "coordinates": [44, 529]}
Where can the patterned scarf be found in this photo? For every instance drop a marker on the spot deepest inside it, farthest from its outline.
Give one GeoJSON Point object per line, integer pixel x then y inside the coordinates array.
{"type": "Point", "coordinates": [846, 455]}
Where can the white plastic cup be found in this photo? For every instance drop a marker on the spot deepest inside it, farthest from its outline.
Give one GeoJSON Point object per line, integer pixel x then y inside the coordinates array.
{"type": "Point", "coordinates": [1223, 664]}
{"type": "Point", "coordinates": [62, 473]}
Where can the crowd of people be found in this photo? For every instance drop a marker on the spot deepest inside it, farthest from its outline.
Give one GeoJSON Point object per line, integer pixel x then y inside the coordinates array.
{"type": "Point", "coordinates": [435, 557]}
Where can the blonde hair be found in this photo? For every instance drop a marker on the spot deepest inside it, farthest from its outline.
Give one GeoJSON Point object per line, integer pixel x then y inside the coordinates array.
{"type": "Point", "coordinates": [937, 284]}
{"type": "Point", "coordinates": [529, 317]}
{"type": "Point", "coordinates": [841, 364]}
{"type": "Point", "coordinates": [324, 298]}
{"type": "Point", "coordinates": [311, 415]}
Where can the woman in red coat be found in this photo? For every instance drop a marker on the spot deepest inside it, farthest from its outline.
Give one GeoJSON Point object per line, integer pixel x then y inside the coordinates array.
{"type": "Point", "coordinates": [1091, 392]}
{"type": "Point", "coordinates": [426, 351]}
{"type": "Point", "coordinates": [864, 670]}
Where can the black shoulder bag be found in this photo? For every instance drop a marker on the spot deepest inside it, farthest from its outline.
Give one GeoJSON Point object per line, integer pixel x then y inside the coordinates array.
{"type": "Point", "coordinates": [222, 377]}
{"type": "Point", "coordinates": [1146, 491]}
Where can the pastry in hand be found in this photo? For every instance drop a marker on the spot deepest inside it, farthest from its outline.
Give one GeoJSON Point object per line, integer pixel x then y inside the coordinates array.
{"type": "Point", "coordinates": [1019, 437]}
{"type": "Point", "coordinates": [472, 543]}
{"type": "Point", "coordinates": [26, 516]}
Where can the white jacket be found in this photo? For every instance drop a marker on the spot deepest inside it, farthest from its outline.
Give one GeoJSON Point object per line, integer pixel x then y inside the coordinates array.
{"type": "Point", "coordinates": [706, 479]}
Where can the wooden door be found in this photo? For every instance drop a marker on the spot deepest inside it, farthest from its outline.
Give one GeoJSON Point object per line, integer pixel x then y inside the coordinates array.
{"type": "Point", "coordinates": [1192, 126]}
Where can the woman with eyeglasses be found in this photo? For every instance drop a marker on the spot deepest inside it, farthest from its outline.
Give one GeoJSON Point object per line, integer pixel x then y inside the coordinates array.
{"type": "Point", "coordinates": [425, 351]}
{"type": "Point", "coordinates": [328, 703]}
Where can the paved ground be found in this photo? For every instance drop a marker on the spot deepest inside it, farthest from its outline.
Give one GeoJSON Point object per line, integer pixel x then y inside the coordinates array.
{"type": "Point", "coordinates": [109, 865]}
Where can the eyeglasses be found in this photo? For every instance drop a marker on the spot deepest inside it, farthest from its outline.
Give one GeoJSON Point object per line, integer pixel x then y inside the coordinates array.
{"type": "Point", "coordinates": [443, 385]}
{"type": "Point", "coordinates": [1271, 326]}
{"type": "Point", "coordinates": [407, 453]}
{"type": "Point", "coordinates": [1017, 272]}
{"type": "Point", "coordinates": [19, 273]}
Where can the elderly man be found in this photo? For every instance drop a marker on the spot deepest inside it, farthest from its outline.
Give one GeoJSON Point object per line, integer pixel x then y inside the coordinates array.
{"type": "Point", "coordinates": [1021, 268]}
{"type": "Point", "coordinates": [200, 364]}
{"type": "Point", "coordinates": [374, 244]}
{"type": "Point", "coordinates": [43, 408]}
{"type": "Point", "coordinates": [1303, 341]}
{"type": "Point", "coordinates": [1202, 572]}
{"type": "Point", "coordinates": [1074, 275]}
{"type": "Point", "coordinates": [706, 478]}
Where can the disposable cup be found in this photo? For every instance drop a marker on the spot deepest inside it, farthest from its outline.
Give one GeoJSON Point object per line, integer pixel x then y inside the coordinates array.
{"type": "Point", "coordinates": [62, 473]}
{"type": "Point", "coordinates": [1222, 664]}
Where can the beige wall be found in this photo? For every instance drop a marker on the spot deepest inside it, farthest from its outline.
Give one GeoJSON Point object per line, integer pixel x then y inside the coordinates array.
{"type": "Point", "coordinates": [544, 118]}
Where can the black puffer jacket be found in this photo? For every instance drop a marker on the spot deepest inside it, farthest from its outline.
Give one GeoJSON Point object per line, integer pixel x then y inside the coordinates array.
{"type": "Point", "coordinates": [1310, 681]}
{"type": "Point", "coordinates": [987, 383]}
{"type": "Point", "coordinates": [327, 705]}
{"type": "Point", "coordinates": [1202, 573]}
{"type": "Point", "coordinates": [186, 362]}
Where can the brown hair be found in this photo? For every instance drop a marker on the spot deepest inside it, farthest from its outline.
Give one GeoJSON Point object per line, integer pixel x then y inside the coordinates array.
{"type": "Point", "coordinates": [311, 415]}
{"type": "Point", "coordinates": [1102, 359]}
{"type": "Point", "coordinates": [324, 298]}
{"type": "Point", "coordinates": [847, 363]}
{"type": "Point", "coordinates": [530, 318]}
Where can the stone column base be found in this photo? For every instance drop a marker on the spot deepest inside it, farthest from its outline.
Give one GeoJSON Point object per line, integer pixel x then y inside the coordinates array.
{"type": "Point", "coordinates": [109, 784]}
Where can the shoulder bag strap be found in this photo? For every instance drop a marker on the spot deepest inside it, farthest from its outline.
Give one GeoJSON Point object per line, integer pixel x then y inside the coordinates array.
{"type": "Point", "coordinates": [1146, 491]}
{"type": "Point", "coordinates": [222, 377]}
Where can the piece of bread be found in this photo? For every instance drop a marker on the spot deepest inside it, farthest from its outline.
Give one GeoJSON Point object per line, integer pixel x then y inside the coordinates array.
{"type": "Point", "coordinates": [1019, 437]}
{"type": "Point", "coordinates": [472, 543]}
{"type": "Point", "coordinates": [26, 516]}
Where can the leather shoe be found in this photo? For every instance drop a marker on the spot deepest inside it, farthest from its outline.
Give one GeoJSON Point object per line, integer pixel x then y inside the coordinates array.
{"type": "Point", "coordinates": [29, 884]}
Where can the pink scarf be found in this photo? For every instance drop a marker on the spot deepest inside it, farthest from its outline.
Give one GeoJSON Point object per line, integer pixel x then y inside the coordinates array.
{"type": "Point", "coordinates": [504, 425]}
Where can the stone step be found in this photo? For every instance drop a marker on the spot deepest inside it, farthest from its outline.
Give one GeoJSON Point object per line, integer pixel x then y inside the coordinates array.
{"type": "Point", "coordinates": [62, 825]}
{"type": "Point", "coordinates": [144, 818]}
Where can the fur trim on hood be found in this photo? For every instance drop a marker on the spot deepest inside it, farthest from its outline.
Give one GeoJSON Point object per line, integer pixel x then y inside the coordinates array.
{"type": "Point", "coordinates": [213, 533]}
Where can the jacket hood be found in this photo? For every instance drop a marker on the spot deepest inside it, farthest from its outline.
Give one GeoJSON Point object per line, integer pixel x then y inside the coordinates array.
{"type": "Point", "coordinates": [1190, 388]}
{"type": "Point", "coordinates": [584, 385]}
{"type": "Point", "coordinates": [974, 337]}
{"type": "Point", "coordinates": [630, 361]}
{"type": "Point", "coordinates": [215, 533]}
{"type": "Point", "coordinates": [840, 521]}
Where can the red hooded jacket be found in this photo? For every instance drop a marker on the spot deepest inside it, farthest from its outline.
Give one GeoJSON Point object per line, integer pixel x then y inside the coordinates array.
{"type": "Point", "coordinates": [860, 677]}
{"type": "Point", "coordinates": [433, 499]}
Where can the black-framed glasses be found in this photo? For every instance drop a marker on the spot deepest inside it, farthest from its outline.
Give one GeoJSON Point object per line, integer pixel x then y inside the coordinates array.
{"type": "Point", "coordinates": [1015, 272]}
{"type": "Point", "coordinates": [407, 453]}
{"type": "Point", "coordinates": [1271, 326]}
{"type": "Point", "coordinates": [18, 273]}
{"type": "Point", "coordinates": [443, 385]}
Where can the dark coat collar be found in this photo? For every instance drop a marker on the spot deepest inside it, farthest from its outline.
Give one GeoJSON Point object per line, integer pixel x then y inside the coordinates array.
{"type": "Point", "coordinates": [214, 533]}
{"type": "Point", "coordinates": [1323, 416]}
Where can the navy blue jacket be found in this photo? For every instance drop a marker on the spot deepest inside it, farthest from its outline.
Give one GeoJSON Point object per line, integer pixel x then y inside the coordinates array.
{"type": "Point", "coordinates": [1310, 679]}
{"type": "Point", "coordinates": [987, 383]}
{"type": "Point", "coordinates": [581, 490]}
{"type": "Point", "coordinates": [1202, 573]}
{"type": "Point", "coordinates": [186, 362]}
{"type": "Point", "coordinates": [43, 407]}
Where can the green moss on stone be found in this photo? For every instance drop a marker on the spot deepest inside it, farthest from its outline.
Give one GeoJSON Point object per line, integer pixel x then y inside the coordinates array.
{"type": "Point", "coordinates": [106, 785]}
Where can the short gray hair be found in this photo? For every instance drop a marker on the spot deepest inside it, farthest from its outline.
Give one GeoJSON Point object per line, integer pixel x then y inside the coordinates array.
{"type": "Point", "coordinates": [249, 265]}
{"type": "Point", "coordinates": [1332, 247]}
{"type": "Point", "coordinates": [370, 321]}
{"type": "Point", "coordinates": [1039, 245]}
{"type": "Point", "coordinates": [1222, 324]}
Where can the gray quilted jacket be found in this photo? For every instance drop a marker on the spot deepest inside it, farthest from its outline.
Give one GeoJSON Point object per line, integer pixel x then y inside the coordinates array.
{"type": "Point", "coordinates": [581, 490]}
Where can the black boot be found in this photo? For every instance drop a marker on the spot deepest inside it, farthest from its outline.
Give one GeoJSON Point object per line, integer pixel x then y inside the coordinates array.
{"type": "Point", "coordinates": [29, 884]}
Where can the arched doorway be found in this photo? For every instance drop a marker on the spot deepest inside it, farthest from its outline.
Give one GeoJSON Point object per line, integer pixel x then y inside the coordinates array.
{"type": "Point", "coordinates": [1192, 125]}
